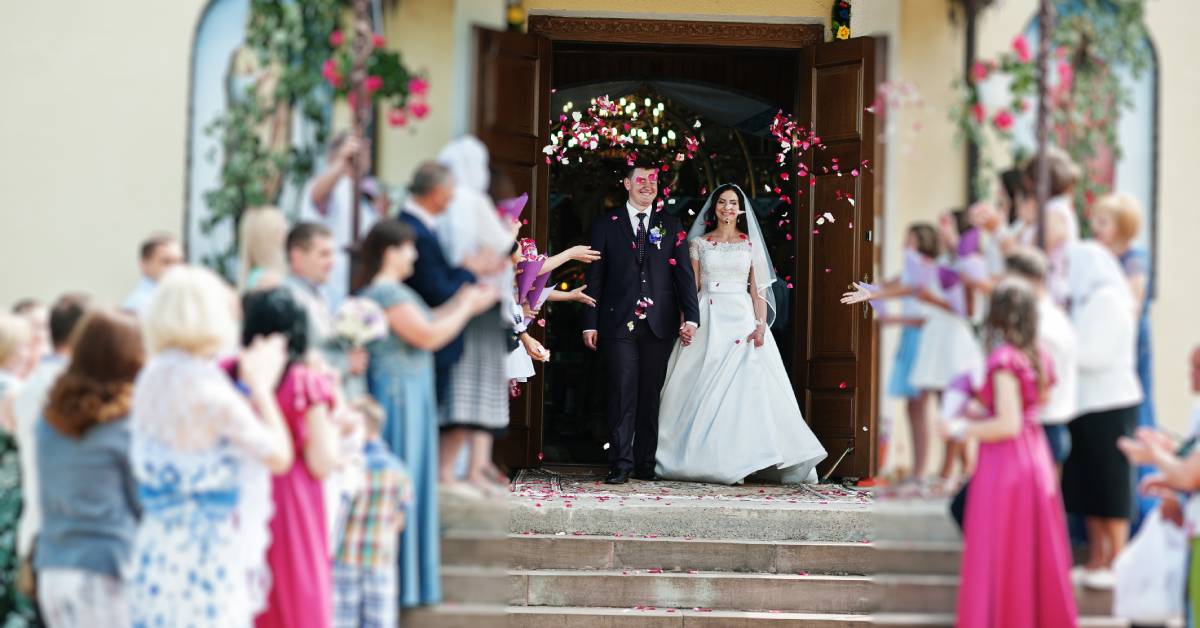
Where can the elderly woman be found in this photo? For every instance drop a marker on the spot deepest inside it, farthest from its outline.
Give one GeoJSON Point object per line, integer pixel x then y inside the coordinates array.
{"type": "Point", "coordinates": [1097, 479]}
{"type": "Point", "coordinates": [202, 456]}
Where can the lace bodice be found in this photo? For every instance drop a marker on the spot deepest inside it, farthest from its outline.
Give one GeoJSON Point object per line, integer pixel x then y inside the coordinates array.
{"type": "Point", "coordinates": [721, 262]}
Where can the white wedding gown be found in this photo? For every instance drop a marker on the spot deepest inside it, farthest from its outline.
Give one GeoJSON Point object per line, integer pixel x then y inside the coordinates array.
{"type": "Point", "coordinates": [727, 408]}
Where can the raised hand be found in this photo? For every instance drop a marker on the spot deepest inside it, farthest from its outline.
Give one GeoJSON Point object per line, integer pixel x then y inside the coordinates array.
{"type": "Point", "coordinates": [583, 253]}
{"type": "Point", "coordinates": [261, 364]}
{"type": "Point", "coordinates": [579, 296]}
{"type": "Point", "coordinates": [858, 295]}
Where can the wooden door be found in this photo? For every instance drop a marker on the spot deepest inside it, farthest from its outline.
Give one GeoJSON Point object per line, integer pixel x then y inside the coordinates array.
{"type": "Point", "coordinates": [512, 117]}
{"type": "Point", "coordinates": [835, 351]}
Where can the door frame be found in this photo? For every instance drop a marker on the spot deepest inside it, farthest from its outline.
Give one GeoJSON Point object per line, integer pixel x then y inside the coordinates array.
{"type": "Point", "coordinates": [561, 29]}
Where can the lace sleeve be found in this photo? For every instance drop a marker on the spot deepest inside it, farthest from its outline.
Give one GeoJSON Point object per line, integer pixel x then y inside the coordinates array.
{"type": "Point", "coordinates": [694, 249]}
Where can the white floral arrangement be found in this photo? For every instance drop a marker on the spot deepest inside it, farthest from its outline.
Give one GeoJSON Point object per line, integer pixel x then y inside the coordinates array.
{"type": "Point", "coordinates": [359, 322]}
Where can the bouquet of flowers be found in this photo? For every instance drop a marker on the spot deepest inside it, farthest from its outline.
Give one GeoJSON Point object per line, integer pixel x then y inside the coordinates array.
{"type": "Point", "coordinates": [530, 280]}
{"type": "Point", "coordinates": [359, 322]}
{"type": "Point", "coordinates": [511, 208]}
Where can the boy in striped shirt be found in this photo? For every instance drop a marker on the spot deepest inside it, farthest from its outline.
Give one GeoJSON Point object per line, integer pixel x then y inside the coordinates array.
{"type": "Point", "coordinates": [364, 570]}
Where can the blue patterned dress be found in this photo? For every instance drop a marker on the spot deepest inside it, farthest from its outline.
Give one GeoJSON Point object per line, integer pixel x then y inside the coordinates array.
{"type": "Point", "coordinates": [200, 554]}
{"type": "Point", "coordinates": [400, 377]}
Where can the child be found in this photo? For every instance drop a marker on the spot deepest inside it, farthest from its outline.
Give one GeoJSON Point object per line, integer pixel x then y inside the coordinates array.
{"type": "Point", "coordinates": [920, 250]}
{"type": "Point", "coordinates": [364, 569]}
{"type": "Point", "coordinates": [1016, 563]}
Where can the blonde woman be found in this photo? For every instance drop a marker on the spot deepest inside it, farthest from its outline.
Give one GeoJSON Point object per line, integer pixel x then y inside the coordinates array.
{"type": "Point", "coordinates": [15, 335]}
{"type": "Point", "coordinates": [262, 233]}
{"type": "Point", "coordinates": [201, 452]}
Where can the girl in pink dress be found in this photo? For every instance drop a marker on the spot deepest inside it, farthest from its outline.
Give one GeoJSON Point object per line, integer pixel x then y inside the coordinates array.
{"type": "Point", "coordinates": [1016, 564]}
{"type": "Point", "coordinates": [301, 594]}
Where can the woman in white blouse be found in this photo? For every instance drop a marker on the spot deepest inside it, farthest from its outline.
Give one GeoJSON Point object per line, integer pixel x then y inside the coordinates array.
{"type": "Point", "coordinates": [1097, 479]}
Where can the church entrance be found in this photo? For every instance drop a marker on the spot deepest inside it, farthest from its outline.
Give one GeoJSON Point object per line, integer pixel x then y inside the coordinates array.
{"type": "Point", "coordinates": [723, 85]}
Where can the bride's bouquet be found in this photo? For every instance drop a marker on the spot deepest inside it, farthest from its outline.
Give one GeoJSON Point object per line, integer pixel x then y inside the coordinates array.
{"type": "Point", "coordinates": [359, 322]}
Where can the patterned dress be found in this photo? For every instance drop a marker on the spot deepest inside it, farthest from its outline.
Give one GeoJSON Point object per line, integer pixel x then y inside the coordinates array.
{"type": "Point", "coordinates": [198, 447]}
{"type": "Point", "coordinates": [15, 609]}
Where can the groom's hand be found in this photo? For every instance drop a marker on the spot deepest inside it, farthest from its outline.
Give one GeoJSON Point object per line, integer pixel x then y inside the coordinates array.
{"type": "Point", "coordinates": [687, 333]}
{"type": "Point", "coordinates": [589, 339]}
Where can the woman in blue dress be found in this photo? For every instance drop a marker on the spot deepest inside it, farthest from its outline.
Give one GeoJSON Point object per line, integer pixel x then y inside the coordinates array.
{"type": "Point", "coordinates": [400, 377]}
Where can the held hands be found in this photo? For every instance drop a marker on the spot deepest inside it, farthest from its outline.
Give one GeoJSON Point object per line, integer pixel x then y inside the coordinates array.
{"type": "Point", "coordinates": [858, 295]}
{"type": "Point", "coordinates": [261, 364]}
{"type": "Point", "coordinates": [687, 333]}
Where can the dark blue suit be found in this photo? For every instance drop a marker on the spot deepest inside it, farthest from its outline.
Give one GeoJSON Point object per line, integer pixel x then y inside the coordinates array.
{"type": "Point", "coordinates": [436, 281]}
{"type": "Point", "coordinates": [636, 351]}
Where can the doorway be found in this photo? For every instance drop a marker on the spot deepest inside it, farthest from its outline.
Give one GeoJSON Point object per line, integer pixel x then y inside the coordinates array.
{"type": "Point", "coordinates": [728, 90]}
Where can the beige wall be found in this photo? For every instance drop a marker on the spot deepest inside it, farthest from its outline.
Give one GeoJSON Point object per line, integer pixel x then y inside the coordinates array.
{"type": "Point", "coordinates": [92, 140]}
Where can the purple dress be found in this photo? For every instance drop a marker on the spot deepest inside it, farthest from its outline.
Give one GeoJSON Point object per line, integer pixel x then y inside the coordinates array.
{"type": "Point", "coordinates": [1016, 560]}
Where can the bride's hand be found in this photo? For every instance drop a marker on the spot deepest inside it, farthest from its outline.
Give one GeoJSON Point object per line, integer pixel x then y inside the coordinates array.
{"type": "Point", "coordinates": [858, 295]}
{"type": "Point", "coordinates": [757, 336]}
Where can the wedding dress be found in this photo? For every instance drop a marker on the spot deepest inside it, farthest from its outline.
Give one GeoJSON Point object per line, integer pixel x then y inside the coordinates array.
{"type": "Point", "coordinates": [727, 407]}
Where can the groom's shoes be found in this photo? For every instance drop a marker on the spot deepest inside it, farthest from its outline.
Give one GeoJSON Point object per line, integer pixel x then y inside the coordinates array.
{"type": "Point", "coordinates": [617, 476]}
{"type": "Point", "coordinates": [646, 473]}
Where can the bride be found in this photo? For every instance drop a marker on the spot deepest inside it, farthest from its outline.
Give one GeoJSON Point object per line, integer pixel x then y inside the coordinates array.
{"type": "Point", "coordinates": [727, 406]}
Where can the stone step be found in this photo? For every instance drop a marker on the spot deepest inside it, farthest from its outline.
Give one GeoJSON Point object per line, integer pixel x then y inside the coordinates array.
{"type": "Point", "coordinates": [938, 594]}
{"type": "Point", "coordinates": [568, 617]}
{"type": "Point", "coordinates": [693, 518]}
{"type": "Point", "coordinates": [711, 590]}
{"type": "Point", "coordinates": [481, 549]}
{"type": "Point", "coordinates": [914, 520]}
{"type": "Point", "coordinates": [917, 557]}
{"type": "Point", "coordinates": [586, 552]}
{"type": "Point", "coordinates": [473, 585]}
{"type": "Point", "coordinates": [932, 620]}
{"type": "Point", "coordinates": [450, 615]}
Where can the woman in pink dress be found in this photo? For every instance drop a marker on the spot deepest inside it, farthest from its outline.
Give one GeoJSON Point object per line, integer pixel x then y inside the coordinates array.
{"type": "Point", "coordinates": [301, 573]}
{"type": "Point", "coordinates": [1016, 564]}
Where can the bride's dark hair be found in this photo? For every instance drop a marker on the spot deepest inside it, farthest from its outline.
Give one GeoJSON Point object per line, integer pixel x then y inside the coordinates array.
{"type": "Point", "coordinates": [710, 219]}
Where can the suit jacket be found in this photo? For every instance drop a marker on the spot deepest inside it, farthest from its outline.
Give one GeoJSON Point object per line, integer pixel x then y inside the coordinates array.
{"type": "Point", "coordinates": [436, 281]}
{"type": "Point", "coordinates": [616, 280]}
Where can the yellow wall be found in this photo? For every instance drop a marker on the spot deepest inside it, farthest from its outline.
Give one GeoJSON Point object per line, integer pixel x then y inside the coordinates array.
{"type": "Point", "coordinates": [92, 140]}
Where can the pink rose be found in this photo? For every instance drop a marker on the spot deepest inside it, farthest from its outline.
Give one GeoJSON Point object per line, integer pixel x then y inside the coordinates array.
{"type": "Point", "coordinates": [1021, 47]}
{"type": "Point", "coordinates": [336, 39]}
{"type": "Point", "coordinates": [373, 83]}
{"type": "Point", "coordinates": [1003, 120]}
{"type": "Point", "coordinates": [979, 71]}
{"type": "Point", "coordinates": [397, 118]}
{"type": "Point", "coordinates": [329, 72]}
{"type": "Point", "coordinates": [418, 86]}
{"type": "Point", "coordinates": [378, 41]}
{"type": "Point", "coordinates": [978, 112]}
{"type": "Point", "coordinates": [419, 110]}
{"type": "Point", "coordinates": [1066, 75]}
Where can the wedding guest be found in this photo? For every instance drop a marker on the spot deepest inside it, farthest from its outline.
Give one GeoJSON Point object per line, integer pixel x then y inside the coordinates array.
{"type": "Point", "coordinates": [262, 233]}
{"type": "Point", "coordinates": [921, 250]}
{"type": "Point", "coordinates": [1061, 219]}
{"type": "Point", "coordinates": [89, 500]}
{"type": "Point", "coordinates": [475, 407]}
{"type": "Point", "coordinates": [301, 576]}
{"type": "Point", "coordinates": [202, 456]}
{"type": "Point", "coordinates": [38, 316]}
{"type": "Point", "coordinates": [14, 347]}
{"type": "Point", "coordinates": [365, 592]}
{"type": "Point", "coordinates": [328, 200]}
{"type": "Point", "coordinates": [1097, 480]}
{"type": "Point", "coordinates": [158, 254]}
{"type": "Point", "coordinates": [65, 315]}
{"type": "Point", "coordinates": [400, 374]}
{"type": "Point", "coordinates": [1116, 221]}
{"type": "Point", "coordinates": [1013, 575]}
{"type": "Point", "coordinates": [1056, 337]}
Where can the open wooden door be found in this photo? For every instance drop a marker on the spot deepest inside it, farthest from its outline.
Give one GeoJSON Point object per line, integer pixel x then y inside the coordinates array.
{"type": "Point", "coordinates": [836, 346]}
{"type": "Point", "coordinates": [512, 117]}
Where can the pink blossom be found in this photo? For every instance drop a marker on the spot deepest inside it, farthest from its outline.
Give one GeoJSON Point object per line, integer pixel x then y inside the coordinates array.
{"type": "Point", "coordinates": [336, 39]}
{"type": "Point", "coordinates": [419, 110]}
{"type": "Point", "coordinates": [1066, 75]}
{"type": "Point", "coordinates": [1003, 120]}
{"type": "Point", "coordinates": [378, 41]}
{"type": "Point", "coordinates": [1021, 47]}
{"type": "Point", "coordinates": [329, 71]}
{"type": "Point", "coordinates": [397, 118]}
{"type": "Point", "coordinates": [979, 71]}
{"type": "Point", "coordinates": [979, 113]}
{"type": "Point", "coordinates": [418, 86]}
{"type": "Point", "coordinates": [373, 83]}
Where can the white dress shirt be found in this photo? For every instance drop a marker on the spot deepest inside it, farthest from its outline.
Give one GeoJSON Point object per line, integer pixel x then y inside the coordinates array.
{"type": "Point", "coordinates": [335, 215]}
{"type": "Point", "coordinates": [1057, 337]}
{"type": "Point", "coordinates": [422, 215]}
{"type": "Point", "coordinates": [633, 218]}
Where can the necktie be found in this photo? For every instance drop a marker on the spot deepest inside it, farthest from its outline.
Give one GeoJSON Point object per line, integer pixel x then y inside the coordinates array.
{"type": "Point", "coordinates": [641, 237]}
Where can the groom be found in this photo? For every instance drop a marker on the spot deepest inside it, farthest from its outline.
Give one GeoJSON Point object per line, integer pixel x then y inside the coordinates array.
{"type": "Point", "coordinates": [645, 294]}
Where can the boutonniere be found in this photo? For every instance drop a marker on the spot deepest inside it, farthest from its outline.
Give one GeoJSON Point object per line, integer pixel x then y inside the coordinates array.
{"type": "Point", "coordinates": [656, 236]}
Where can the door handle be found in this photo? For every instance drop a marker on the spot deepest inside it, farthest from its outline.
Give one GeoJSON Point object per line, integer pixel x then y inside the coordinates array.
{"type": "Point", "coordinates": [866, 305]}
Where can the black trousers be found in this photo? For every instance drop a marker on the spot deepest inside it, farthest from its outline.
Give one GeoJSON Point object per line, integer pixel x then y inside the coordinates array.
{"type": "Point", "coordinates": [635, 367]}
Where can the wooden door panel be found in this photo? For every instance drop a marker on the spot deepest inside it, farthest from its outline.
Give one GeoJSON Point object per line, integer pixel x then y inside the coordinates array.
{"type": "Point", "coordinates": [512, 102]}
{"type": "Point", "coordinates": [835, 367]}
